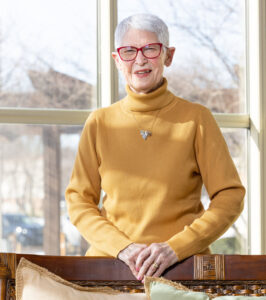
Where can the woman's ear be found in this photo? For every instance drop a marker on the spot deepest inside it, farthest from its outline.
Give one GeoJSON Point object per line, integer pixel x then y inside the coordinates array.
{"type": "Point", "coordinates": [117, 60]}
{"type": "Point", "coordinates": [169, 56]}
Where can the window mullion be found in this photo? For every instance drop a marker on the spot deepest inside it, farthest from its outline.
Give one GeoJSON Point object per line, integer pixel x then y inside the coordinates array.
{"type": "Point", "coordinates": [107, 74]}
{"type": "Point", "coordinates": [43, 116]}
{"type": "Point", "coordinates": [263, 99]}
{"type": "Point", "coordinates": [256, 96]}
{"type": "Point", "coordinates": [78, 117]}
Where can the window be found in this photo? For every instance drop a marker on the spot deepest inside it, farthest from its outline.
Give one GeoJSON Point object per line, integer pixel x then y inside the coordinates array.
{"type": "Point", "coordinates": [48, 82]}
{"type": "Point", "coordinates": [55, 67]}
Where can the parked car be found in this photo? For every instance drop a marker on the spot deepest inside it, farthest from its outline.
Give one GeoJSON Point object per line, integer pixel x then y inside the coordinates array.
{"type": "Point", "coordinates": [26, 230]}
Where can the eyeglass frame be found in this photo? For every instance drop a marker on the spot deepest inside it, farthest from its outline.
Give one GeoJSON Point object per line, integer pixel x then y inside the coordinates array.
{"type": "Point", "coordinates": [140, 49]}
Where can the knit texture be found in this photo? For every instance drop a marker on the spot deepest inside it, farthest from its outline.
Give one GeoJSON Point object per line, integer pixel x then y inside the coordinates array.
{"type": "Point", "coordinates": [153, 187]}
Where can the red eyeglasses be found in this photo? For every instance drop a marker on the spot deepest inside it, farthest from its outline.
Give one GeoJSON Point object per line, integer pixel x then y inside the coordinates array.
{"type": "Point", "coordinates": [128, 53]}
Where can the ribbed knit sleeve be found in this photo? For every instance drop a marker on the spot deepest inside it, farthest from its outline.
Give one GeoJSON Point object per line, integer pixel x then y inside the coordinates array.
{"type": "Point", "coordinates": [224, 187]}
{"type": "Point", "coordinates": [83, 194]}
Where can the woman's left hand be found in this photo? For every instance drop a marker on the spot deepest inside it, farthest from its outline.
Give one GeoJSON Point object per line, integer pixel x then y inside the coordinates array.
{"type": "Point", "coordinates": [153, 260]}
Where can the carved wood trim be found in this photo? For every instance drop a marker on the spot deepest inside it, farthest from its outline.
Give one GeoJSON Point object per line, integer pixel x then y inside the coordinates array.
{"type": "Point", "coordinates": [8, 265]}
{"type": "Point", "coordinates": [209, 267]}
{"type": "Point", "coordinates": [11, 290]}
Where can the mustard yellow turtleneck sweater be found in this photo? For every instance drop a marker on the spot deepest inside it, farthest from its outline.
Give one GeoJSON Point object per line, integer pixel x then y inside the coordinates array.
{"type": "Point", "coordinates": [153, 187]}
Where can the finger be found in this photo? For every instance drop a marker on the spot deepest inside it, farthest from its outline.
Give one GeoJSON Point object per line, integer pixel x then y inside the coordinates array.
{"type": "Point", "coordinates": [146, 266]}
{"type": "Point", "coordinates": [134, 272]}
{"type": "Point", "coordinates": [164, 261]}
{"type": "Point", "coordinates": [133, 258]}
{"type": "Point", "coordinates": [131, 264]}
{"type": "Point", "coordinates": [160, 270]}
{"type": "Point", "coordinates": [130, 252]}
{"type": "Point", "coordinates": [155, 272]}
{"type": "Point", "coordinates": [154, 267]}
{"type": "Point", "coordinates": [142, 256]}
{"type": "Point", "coordinates": [138, 251]}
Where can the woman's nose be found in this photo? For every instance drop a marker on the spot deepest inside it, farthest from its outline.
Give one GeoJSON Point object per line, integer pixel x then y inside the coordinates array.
{"type": "Point", "coordinates": [140, 58]}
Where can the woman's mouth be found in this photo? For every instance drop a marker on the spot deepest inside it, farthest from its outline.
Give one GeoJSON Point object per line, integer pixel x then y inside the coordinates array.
{"type": "Point", "coordinates": [142, 73]}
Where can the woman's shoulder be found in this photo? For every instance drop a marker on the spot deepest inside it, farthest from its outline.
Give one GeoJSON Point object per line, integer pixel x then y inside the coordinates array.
{"type": "Point", "coordinates": [103, 113]}
{"type": "Point", "coordinates": [191, 105]}
{"type": "Point", "coordinates": [193, 109]}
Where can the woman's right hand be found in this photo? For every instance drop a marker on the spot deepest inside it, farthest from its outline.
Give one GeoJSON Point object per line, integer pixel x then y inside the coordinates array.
{"type": "Point", "coordinates": [129, 256]}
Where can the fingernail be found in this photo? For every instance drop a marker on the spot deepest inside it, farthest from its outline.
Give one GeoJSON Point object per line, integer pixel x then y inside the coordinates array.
{"type": "Point", "coordinates": [139, 277]}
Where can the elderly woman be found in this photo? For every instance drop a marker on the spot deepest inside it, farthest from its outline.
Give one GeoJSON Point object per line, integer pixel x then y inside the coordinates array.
{"type": "Point", "coordinates": [150, 153]}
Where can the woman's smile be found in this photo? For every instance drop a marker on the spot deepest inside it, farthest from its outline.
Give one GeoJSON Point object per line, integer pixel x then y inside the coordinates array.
{"type": "Point", "coordinates": [142, 74]}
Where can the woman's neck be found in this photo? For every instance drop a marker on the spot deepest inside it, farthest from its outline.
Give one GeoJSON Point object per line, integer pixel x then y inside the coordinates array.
{"type": "Point", "coordinates": [153, 89]}
{"type": "Point", "coordinates": [155, 100]}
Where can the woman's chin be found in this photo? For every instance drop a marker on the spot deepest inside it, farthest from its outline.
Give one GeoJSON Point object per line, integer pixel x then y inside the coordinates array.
{"type": "Point", "coordinates": [142, 88]}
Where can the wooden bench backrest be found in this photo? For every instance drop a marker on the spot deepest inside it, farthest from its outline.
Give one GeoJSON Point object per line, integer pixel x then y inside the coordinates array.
{"type": "Point", "coordinates": [218, 274]}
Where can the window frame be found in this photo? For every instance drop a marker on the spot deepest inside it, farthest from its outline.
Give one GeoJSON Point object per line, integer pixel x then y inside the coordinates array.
{"type": "Point", "coordinates": [256, 99]}
{"type": "Point", "coordinates": [254, 120]}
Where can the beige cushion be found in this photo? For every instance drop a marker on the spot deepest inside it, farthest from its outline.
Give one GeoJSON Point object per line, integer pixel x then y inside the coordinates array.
{"type": "Point", "coordinates": [36, 283]}
{"type": "Point", "coordinates": [163, 289]}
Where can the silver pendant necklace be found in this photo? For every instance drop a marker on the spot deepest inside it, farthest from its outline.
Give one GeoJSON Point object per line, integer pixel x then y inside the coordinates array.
{"type": "Point", "coordinates": [145, 134]}
{"type": "Point", "coordinates": [148, 132]}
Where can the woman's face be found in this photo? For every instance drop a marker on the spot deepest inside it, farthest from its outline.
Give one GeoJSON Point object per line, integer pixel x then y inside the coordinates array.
{"type": "Point", "coordinates": [143, 75]}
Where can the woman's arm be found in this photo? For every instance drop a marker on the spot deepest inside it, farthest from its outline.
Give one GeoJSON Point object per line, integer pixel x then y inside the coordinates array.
{"type": "Point", "coordinates": [83, 194]}
{"type": "Point", "coordinates": [224, 187]}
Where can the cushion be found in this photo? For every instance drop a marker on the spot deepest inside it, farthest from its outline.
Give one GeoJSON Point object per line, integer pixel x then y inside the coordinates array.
{"type": "Point", "coordinates": [34, 282]}
{"type": "Point", "coordinates": [161, 288]}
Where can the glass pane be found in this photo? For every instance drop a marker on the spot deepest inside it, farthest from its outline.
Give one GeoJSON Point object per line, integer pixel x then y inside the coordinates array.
{"type": "Point", "coordinates": [209, 63]}
{"type": "Point", "coordinates": [48, 54]}
{"type": "Point", "coordinates": [234, 241]}
{"type": "Point", "coordinates": [33, 182]}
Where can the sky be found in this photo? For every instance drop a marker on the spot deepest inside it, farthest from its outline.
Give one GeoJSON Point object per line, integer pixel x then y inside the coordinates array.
{"type": "Point", "coordinates": [62, 34]}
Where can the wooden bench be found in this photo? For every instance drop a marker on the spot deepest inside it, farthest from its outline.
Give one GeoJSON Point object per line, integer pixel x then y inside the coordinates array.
{"type": "Point", "coordinates": [218, 274]}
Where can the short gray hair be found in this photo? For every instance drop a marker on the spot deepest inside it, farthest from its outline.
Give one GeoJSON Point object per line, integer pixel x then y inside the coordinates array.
{"type": "Point", "coordinates": [146, 22]}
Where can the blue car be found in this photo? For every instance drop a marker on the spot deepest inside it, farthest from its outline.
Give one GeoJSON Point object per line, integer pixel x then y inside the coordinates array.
{"type": "Point", "coordinates": [26, 230]}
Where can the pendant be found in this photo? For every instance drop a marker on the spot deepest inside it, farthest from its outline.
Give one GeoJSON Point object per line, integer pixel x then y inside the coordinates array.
{"type": "Point", "coordinates": [145, 134]}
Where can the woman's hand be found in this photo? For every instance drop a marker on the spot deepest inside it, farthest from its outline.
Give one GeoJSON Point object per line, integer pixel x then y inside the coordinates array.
{"type": "Point", "coordinates": [130, 254]}
{"type": "Point", "coordinates": [154, 259]}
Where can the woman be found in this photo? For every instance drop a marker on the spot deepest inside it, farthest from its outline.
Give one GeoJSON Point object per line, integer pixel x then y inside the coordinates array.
{"type": "Point", "coordinates": [151, 152]}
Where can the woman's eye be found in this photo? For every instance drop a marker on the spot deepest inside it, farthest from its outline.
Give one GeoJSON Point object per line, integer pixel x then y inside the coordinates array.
{"type": "Point", "coordinates": [150, 49]}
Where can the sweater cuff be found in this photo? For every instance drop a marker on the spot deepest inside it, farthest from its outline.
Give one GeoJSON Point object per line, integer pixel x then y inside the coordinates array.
{"type": "Point", "coordinates": [186, 247]}
{"type": "Point", "coordinates": [118, 246]}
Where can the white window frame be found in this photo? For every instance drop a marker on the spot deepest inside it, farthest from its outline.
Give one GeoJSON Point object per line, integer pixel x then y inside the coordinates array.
{"type": "Point", "coordinates": [256, 97]}
{"type": "Point", "coordinates": [255, 121]}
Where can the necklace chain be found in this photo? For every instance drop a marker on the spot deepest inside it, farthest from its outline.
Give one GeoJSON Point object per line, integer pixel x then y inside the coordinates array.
{"type": "Point", "coordinates": [146, 133]}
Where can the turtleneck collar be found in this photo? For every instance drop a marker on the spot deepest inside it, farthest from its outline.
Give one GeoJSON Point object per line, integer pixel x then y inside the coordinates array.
{"type": "Point", "coordinates": [155, 100]}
